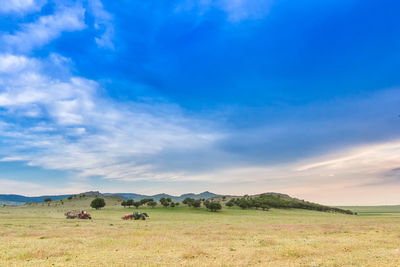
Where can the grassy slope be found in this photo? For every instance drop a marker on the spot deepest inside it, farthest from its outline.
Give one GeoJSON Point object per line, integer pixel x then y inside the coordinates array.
{"type": "Point", "coordinates": [39, 235]}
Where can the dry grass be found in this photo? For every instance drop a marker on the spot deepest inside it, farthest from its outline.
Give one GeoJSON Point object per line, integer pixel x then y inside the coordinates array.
{"type": "Point", "coordinates": [40, 236]}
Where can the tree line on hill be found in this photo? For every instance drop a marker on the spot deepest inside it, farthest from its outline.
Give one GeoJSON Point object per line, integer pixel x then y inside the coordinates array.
{"type": "Point", "coordinates": [167, 202]}
{"type": "Point", "coordinates": [267, 201]}
{"type": "Point", "coordinates": [130, 202]}
{"type": "Point", "coordinates": [98, 203]}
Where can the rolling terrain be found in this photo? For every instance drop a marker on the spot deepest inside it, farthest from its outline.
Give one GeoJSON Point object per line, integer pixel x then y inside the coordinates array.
{"type": "Point", "coordinates": [39, 235]}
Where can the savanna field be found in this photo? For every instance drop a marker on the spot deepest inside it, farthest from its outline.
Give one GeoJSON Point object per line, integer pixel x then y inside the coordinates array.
{"type": "Point", "coordinates": [39, 235]}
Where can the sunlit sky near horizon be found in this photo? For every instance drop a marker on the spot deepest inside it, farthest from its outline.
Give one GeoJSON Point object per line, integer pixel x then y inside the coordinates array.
{"type": "Point", "coordinates": [230, 96]}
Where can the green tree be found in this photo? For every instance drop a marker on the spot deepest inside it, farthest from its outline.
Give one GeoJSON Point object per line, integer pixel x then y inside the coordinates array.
{"type": "Point", "coordinates": [129, 203]}
{"type": "Point", "coordinates": [145, 201]}
{"type": "Point", "coordinates": [98, 203]}
{"type": "Point", "coordinates": [164, 202]}
{"type": "Point", "coordinates": [47, 200]}
{"type": "Point", "coordinates": [152, 204]}
{"type": "Point", "coordinates": [212, 205]}
{"type": "Point", "coordinates": [264, 206]}
{"type": "Point", "coordinates": [196, 203]}
{"type": "Point", "coordinates": [136, 204]}
{"type": "Point", "coordinates": [243, 203]}
{"type": "Point", "coordinates": [124, 203]}
{"type": "Point", "coordinates": [230, 202]}
{"type": "Point", "coordinates": [188, 201]}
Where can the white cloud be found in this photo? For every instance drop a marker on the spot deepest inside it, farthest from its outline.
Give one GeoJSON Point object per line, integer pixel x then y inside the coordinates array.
{"type": "Point", "coordinates": [103, 23]}
{"type": "Point", "coordinates": [64, 124]}
{"type": "Point", "coordinates": [45, 29]}
{"type": "Point", "coordinates": [11, 63]}
{"type": "Point", "coordinates": [236, 10]}
{"type": "Point", "coordinates": [21, 6]}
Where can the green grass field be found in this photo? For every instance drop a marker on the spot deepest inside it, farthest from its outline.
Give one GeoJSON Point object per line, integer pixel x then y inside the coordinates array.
{"type": "Point", "coordinates": [39, 235]}
{"type": "Point", "coordinates": [374, 210]}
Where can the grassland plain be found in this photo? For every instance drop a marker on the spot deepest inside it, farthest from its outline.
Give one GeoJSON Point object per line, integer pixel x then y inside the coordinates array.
{"type": "Point", "coordinates": [39, 235]}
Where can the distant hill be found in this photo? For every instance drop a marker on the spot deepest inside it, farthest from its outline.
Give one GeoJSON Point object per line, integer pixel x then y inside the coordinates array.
{"type": "Point", "coordinates": [11, 203]}
{"type": "Point", "coordinates": [10, 199]}
{"type": "Point", "coordinates": [23, 199]}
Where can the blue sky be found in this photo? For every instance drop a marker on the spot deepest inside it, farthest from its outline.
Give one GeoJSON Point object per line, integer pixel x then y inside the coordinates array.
{"type": "Point", "coordinates": [232, 96]}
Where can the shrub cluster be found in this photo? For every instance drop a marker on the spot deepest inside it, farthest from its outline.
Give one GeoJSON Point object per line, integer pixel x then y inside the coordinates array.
{"type": "Point", "coordinates": [191, 202]}
{"type": "Point", "coordinates": [130, 202]}
{"type": "Point", "coordinates": [167, 202]}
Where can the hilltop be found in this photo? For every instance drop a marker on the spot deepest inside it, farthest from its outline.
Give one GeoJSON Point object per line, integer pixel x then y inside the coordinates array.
{"type": "Point", "coordinates": [275, 200]}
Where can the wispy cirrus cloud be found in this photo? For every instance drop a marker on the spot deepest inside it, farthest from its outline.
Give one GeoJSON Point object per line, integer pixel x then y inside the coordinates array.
{"type": "Point", "coordinates": [103, 22]}
{"type": "Point", "coordinates": [236, 10]}
{"type": "Point", "coordinates": [45, 29]}
{"type": "Point", "coordinates": [21, 6]}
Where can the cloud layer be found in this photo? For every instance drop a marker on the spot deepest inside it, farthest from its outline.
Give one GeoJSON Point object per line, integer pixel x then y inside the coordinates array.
{"type": "Point", "coordinates": [61, 69]}
{"type": "Point", "coordinates": [65, 124]}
